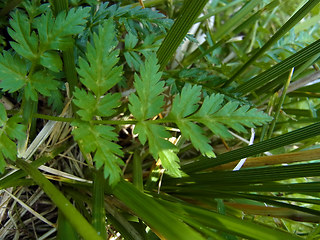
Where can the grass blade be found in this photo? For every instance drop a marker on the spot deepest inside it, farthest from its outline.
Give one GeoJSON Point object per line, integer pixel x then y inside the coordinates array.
{"type": "Point", "coordinates": [189, 13]}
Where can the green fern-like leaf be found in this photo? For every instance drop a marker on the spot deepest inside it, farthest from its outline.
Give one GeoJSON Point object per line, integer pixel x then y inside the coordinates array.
{"type": "Point", "coordinates": [186, 114]}
{"type": "Point", "coordinates": [133, 19]}
{"type": "Point", "coordinates": [146, 104]}
{"type": "Point", "coordinates": [14, 76]}
{"type": "Point", "coordinates": [148, 101]}
{"type": "Point", "coordinates": [99, 73]}
{"type": "Point", "coordinates": [218, 117]}
{"type": "Point", "coordinates": [10, 129]}
{"type": "Point", "coordinates": [54, 34]}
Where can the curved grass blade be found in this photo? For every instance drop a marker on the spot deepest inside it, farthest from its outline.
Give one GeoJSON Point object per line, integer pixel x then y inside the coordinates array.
{"type": "Point", "coordinates": [70, 212]}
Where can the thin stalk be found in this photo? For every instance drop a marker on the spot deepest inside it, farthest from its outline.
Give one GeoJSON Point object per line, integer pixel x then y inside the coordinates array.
{"type": "Point", "coordinates": [137, 171]}
{"type": "Point", "coordinates": [63, 119]}
{"type": "Point", "coordinates": [70, 212]}
{"type": "Point", "coordinates": [269, 110]}
{"type": "Point", "coordinates": [69, 65]}
{"type": "Point", "coordinates": [277, 110]}
{"type": "Point", "coordinates": [65, 229]}
{"type": "Point", "coordinates": [98, 210]}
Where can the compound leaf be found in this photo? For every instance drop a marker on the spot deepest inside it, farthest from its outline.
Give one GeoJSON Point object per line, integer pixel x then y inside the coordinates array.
{"type": "Point", "coordinates": [148, 102]}
{"type": "Point", "coordinates": [56, 33]}
{"type": "Point", "coordinates": [213, 114]}
{"type": "Point", "coordinates": [184, 105]}
{"type": "Point", "coordinates": [216, 117]}
{"type": "Point", "coordinates": [99, 73]}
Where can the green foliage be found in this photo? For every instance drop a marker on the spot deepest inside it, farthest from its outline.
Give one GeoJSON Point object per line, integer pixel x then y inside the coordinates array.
{"type": "Point", "coordinates": [212, 114]}
{"type": "Point", "coordinates": [10, 130]}
{"type": "Point", "coordinates": [13, 72]}
{"type": "Point", "coordinates": [185, 112]}
{"type": "Point", "coordinates": [133, 18]}
{"type": "Point", "coordinates": [156, 107]}
{"type": "Point", "coordinates": [36, 40]}
{"type": "Point", "coordinates": [99, 74]}
{"type": "Point", "coordinates": [146, 104]}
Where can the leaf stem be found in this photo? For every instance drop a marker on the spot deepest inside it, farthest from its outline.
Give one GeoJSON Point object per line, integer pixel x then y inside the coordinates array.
{"type": "Point", "coordinates": [98, 210]}
{"type": "Point", "coordinates": [68, 54]}
{"type": "Point", "coordinates": [110, 122]}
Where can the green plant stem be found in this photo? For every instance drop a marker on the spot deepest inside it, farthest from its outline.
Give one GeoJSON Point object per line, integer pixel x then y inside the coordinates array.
{"type": "Point", "coordinates": [69, 65]}
{"type": "Point", "coordinates": [98, 210]}
{"type": "Point", "coordinates": [70, 212]}
{"type": "Point", "coordinates": [65, 229]}
{"type": "Point", "coordinates": [11, 179]}
{"type": "Point", "coordinates": [277, 110]}
{"type": "Point", "coordinates": [137, 171]}
{"type": "Point", "coordinates": [29, 108]}
{"type": "Point", "coordinates": [63, 119]}
{"type": "Point", "coordinates": [149, 3]}
{"type": "Point", "coordinates": [110, 122]}
{"type": "Point", "coordinates": [189, 13]}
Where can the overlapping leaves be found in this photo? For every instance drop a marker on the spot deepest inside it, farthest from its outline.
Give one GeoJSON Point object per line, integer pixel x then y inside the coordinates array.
{"type": "Point", "coordinates": [146, 104]}
{"type": "Point", "coordinates": [99, 73]}
{"type": "Point", "coordinates": [38, 49]}
{"type": "Point", "coordinates": [187, 114]}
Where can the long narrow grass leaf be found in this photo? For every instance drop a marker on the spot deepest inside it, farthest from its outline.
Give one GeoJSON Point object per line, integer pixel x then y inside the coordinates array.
{"type": "Point", "coordinates": [189, 13]}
